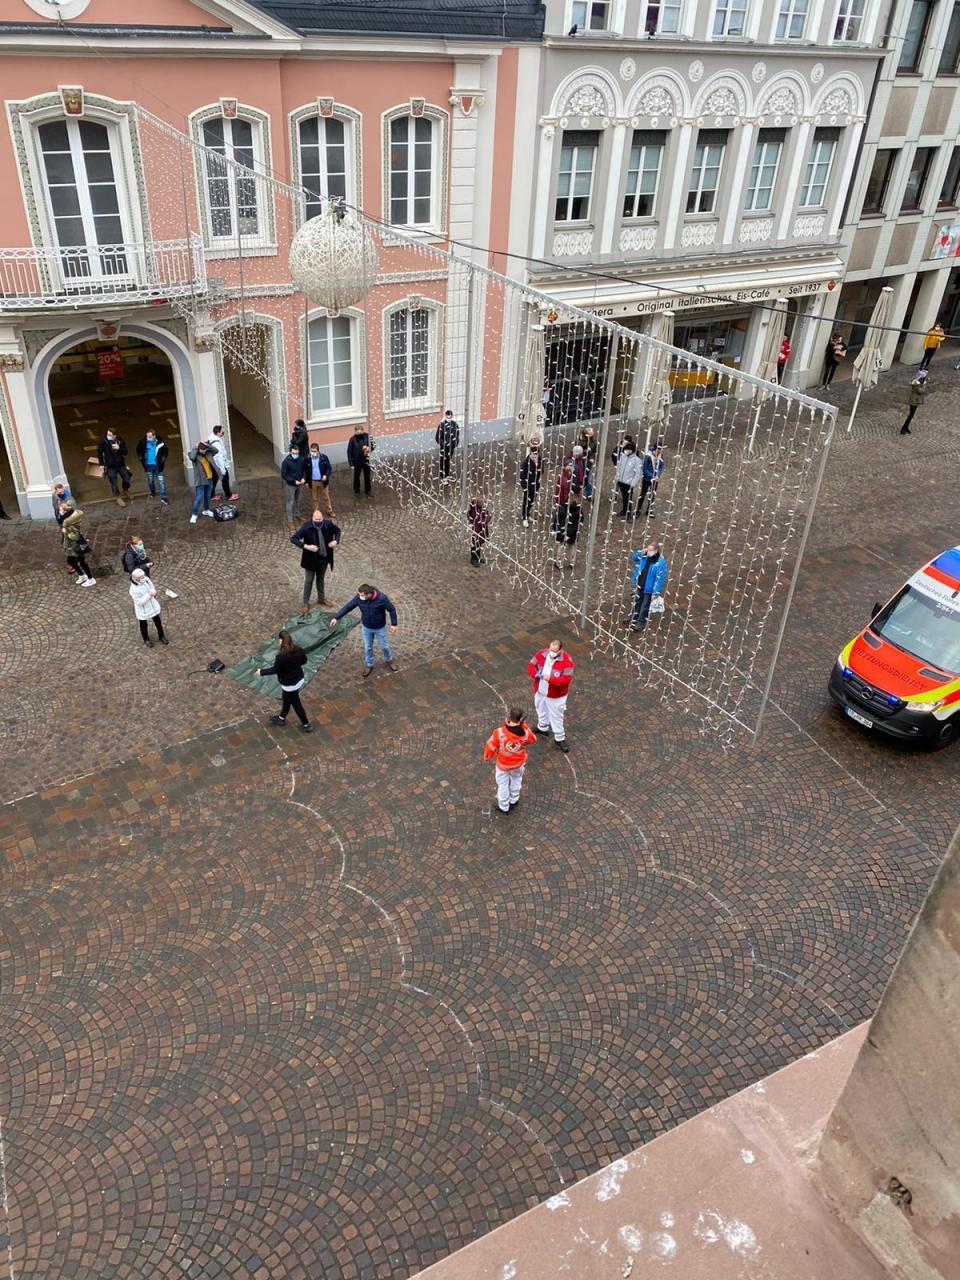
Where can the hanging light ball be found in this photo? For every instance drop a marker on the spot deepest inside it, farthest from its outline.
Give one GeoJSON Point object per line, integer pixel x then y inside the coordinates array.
{"type": "Point", "coordinates": [333, 258]}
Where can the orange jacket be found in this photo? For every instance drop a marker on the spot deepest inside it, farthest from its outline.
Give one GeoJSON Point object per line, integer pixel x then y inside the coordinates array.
{"type": "Point", "coordinates": [506, 746]}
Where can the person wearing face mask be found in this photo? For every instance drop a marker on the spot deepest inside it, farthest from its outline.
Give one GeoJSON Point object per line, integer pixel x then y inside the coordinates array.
{"type": "Point", "coordinates": [316, 540]}
{"type": "Point", "coordinates": [649, 578]}
{"type": "Point", "coordinates": [135, 556]}
{"type": "Point", "coordinates": [551, 671]}
{"type": "Point", "coordinates": [152, 452]}
{"type": "Point", "coordinates": [531, 473]}
{"type": "Point", "coordinates": [507, 748]}
{"type": "Point", "coordinates": [447, 437]}
{"type": "Point", "coordinates": [359, 448]}
{"type": "Point", "coordinates": [318, 475]}
{"type": "Point", "coordinates": [112, 455]}
{"type": "Point", "coordinates": [293, 478]}
{"type": "Point", "coordinates": [288, 668]}
{"type": "Point", "coordinates": [146, 605]}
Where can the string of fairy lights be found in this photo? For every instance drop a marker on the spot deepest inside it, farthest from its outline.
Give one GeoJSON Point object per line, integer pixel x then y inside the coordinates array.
{"type": "Point", "coordinates": [436, 331]}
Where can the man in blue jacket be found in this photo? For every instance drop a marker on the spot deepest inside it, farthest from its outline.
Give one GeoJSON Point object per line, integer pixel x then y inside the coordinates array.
{"type": "Point", "coordinates": [649, 579]}
{"type": "Point", "coordinates": [374, 607]}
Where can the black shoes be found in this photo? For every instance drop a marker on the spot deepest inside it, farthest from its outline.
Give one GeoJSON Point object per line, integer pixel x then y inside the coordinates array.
{"type": "Point", "coordinates": [543, 732]}
{"type": "Point", "coordinates": [306, 728]}
{"type": "Point", "coordinates": [164, 640]}
{"type": "Point", "coordinates": [278, 720]}
{"type": "Point", "coordinates": [148, 643]}
{"type": "Point", "coordinates": [562, 744]}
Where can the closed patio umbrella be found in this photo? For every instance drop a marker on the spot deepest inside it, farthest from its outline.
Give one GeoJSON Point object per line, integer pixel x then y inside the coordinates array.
{"type": "Point", "coordinates": [866, 367]}
{"type": "Point", "coordinates": [532, 415]}
{"type": "Point", "coordinates": [657, 393]}
{"type": "Point", "coordinates": [767, 364]}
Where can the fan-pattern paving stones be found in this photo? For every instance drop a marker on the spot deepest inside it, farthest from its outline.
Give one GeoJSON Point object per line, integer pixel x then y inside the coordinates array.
{"type": "Point", "coordinates": [278, 1006]}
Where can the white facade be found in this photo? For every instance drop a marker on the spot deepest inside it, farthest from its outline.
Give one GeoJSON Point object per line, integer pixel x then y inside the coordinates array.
{"type": "Point", "coordinates": [700, 148]}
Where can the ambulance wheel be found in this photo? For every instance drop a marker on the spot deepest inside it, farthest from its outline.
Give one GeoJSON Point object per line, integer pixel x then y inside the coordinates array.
{"type": "Point", "coordinates": [948, 733]}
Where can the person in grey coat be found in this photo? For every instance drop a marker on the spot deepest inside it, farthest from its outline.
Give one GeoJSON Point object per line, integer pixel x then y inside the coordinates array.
{"type": "Point", "coordinates": [203, 474]}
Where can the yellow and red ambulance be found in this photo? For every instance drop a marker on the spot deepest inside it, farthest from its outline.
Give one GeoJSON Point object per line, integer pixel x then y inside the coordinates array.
{"type": "Point", "coordinates": [901, 675]}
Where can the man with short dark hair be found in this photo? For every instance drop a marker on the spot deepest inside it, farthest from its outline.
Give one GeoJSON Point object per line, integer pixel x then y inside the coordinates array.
{"type": "Point", "coordinates": [374, 607]}
{"type": "Point", "coordinates": [507, 747]}
{"type": "Point", "coordinates": [359, 447]}
{"type": "Point", "coordinates": [152, 452]}
{"type": "Point", "coordinates": [112, 453]}
{"type": "Point", "coordinates": [317, 474]}
{"type": "Point", "coordinates": [653, 467]}
{"type": "Point", "coordinates": [291, 473]}
{"type": "Point", "coordinates": [447, 438]}
{"type": "Point", "coordinates": [222, 465]}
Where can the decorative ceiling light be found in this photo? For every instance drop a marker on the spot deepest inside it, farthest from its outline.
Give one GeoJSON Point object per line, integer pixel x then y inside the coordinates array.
{"type": "Point", "coordinates": [333, 258]}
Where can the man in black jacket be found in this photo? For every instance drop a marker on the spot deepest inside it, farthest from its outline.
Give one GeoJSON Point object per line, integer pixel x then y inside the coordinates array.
{"type": "Point", "coordinates": [294, 479]}
{"type": "Point", "coordinates": [112, 454]}
{"type": "Point", "coordinates": [374, 607]}
{"type": "Point", "coordinates": [358, 457]}
{"type": "Point", "coordinates": [152, 452]}
{"type": "Point", "coordinates": [447, 437]}
{"type": "Point", "coordinates": [316, 540]}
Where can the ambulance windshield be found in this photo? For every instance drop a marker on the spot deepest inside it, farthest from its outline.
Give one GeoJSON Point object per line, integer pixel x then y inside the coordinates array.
{"type": "Point", "coordinates": [923, 627]}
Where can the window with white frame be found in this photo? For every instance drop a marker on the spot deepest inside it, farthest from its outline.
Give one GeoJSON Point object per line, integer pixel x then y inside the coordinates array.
{"type": "Point", "coordinates": [80, 166]}
{"type": "Point", "coordinates": [578, 158]}
{"type": "Point", "coordinates": [412, 171]}
{"type": "Point", "coordinates": [410, 335]}
{"type": "Point", "coordinates": [324, 144]}
{"type": "Point", "coordinates": [763, 170]}
{"type": "Point", "coordinates": [819, 163]}
{"type": "Point", "coordinates": [643, 173]}
{"type": "Point", "coordinates": [590, 15]}
{"type": "Point", "coordinates": [792, 19]}
{"type": "Point", "coordinates": [729, 17]}
{"type": "Point", "coordinates": [234, 151]}
{"type": "Point", "coordinates": [849, 20]}
{"type": "Point", "coordinates": [332, 365]}
{"type": "Point", "coordinates": [705, 174]}
{"type": "Point", "coordinates": [662, 18]}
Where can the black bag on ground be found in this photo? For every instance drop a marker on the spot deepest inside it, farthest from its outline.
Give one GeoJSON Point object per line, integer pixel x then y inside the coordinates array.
{"type": "Point", "coordinates": [226, 511]}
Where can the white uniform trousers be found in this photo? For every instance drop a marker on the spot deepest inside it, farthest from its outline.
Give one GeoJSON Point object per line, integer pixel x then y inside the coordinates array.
{"type": "Point", "coordinates": [550, 713]}
{"type": "Point", "coordinates": [508, 786]}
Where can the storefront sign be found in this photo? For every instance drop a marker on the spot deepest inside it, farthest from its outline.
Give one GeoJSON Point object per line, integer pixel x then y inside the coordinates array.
{"type": "Point", "coordinates": [947, 244]}
{"type": "Point", "coordinates": [728, 297]}
{"type": "Point", "coordinates": [109, 364]}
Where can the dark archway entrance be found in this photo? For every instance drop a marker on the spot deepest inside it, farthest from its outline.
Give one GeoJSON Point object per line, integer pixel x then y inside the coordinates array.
{"type": "Point", "coordinates": [126, 384]}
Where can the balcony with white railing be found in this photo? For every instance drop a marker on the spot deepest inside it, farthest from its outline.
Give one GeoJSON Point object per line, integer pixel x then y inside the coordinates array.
{"type": "Point", "coordinates": [77, 276]}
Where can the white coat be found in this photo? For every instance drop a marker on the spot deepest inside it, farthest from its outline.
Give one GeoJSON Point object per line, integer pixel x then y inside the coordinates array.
{"type": "Point", "coordinates": [221, 459]}
{"type": "Point", "coordinates": [144, 603]}
{"type": "Point", "coordinates": [629, 469]}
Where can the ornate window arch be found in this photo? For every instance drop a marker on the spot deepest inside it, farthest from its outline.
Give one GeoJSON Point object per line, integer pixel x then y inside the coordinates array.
{"type": "Point", "coordinates": [233, 164]}
{"type": "Point", "coordinates": [587, 94]}
{"type": "Point", "coordinates": [839, 102]}
{"type": "Point", "coordinates": [414, 144]}
{"type": "Point", "coordinates": [722, 98]}
{"type": "Point", "coordinates": [412, 355]}
{"type": "Point", "coordinates": [317, 166]}
{"type": "Point", "coordinates": [783, 101]}
{"type": "Point", "coordinates": [334, 356]}
{"type": "Point", "coordinates": [120, 120]}
{"type": "Point", "coordinates": [660, 96]}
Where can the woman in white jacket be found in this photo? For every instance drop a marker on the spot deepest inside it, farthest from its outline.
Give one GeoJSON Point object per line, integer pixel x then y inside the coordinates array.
{"type": "Point", "coordinates": [146, 604]}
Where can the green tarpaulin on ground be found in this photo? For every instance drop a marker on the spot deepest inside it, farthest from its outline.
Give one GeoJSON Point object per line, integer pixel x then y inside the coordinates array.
{"type": "Point", "coordinates": [312, 633]}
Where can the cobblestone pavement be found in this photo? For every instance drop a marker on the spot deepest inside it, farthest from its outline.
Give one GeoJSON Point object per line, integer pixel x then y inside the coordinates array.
{"type": "Point", "coordinates": [278, 1006]}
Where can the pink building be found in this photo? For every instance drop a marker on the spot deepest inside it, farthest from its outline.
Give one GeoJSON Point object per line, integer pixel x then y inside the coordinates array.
{"type": "Point", "coordinates": [127, 255]}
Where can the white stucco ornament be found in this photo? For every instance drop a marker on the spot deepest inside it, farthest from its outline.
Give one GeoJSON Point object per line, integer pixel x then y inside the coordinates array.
{"type": "Point", "coordinates": [333, 259]}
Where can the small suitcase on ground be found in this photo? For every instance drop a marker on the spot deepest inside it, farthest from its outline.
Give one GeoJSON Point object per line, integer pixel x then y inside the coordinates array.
{"type": "Point", "coordinates": [226, 511]}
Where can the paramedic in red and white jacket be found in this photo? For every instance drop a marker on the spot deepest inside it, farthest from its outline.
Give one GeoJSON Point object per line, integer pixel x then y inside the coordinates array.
{"type": "Point", "coordinates": [551, 671]}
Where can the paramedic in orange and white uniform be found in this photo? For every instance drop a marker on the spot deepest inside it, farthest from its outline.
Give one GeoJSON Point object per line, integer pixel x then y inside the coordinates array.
{"type": "Point", "coordinates": [507, 747]}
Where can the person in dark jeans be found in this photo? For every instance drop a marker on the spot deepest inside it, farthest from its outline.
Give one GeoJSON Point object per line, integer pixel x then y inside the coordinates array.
{"type": "Point", "coordinates": [316, 540]}
{"type": "Point", "coordinates": [358, 457]}
{"type": "Point", "coordinates": [836, 351]}
{"type": "Point", "coordinates": [75, 545]}
{"type": "Point", "coordinates": [918, 389]}
{"type": "Point", "coordinates": [152, 452]}
{"type": "Point", "coordinates": [649, 579]}
{"type": "Point", "coordinates": [112, 454]}
{"type": "Point", "coordinates": [288, 668]}
{"type": "Point", "coordinates": [448, 438]}
{"type": "Point", "coordinates": [531, 473]}
{"type": "Point", "coordinates": [375, 607]}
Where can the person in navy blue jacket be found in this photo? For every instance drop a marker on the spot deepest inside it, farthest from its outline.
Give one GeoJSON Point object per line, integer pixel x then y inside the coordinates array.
{"type": "Point", "coordinates": [649, 578]}
{"type": "Point", "coordinates": [653, 465]}
{"type": "Point", "coordinates": [374, 606]}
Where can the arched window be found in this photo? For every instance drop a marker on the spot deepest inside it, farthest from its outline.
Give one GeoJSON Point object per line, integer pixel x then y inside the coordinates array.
{"type": "Point", "coordinates": [414, 166]}
{"type": "Point", "coordinates": [232, 163]}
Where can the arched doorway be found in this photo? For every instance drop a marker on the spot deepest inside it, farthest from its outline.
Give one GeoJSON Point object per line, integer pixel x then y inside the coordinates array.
{"type": "Point", "coordinates": [250, 362]}
{"type": "Point", "coordinates": [126, 384]}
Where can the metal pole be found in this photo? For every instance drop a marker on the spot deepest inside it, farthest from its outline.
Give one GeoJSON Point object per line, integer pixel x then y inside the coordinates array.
{"type": "Point", "coordinates": [306, 358]}
{"type": "Point", "coordinates": [520, 390]}
{"type": "Point", "coordinates": [598, 472]}
{"type": "Point", "coordinates": [468, 381]}
{"type": "Point", "coordinates": [856, 405]}
{"type": "Point", "coordinates": [765, 696]}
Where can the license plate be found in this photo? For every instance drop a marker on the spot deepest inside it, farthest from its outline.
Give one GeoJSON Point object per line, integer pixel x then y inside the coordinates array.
{"type": "Point", "coordinates": [855, 715]}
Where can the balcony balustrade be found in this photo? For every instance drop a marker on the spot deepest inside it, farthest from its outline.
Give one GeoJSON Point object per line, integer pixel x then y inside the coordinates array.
{"type": "Point", "coordinates": [78, 276]}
